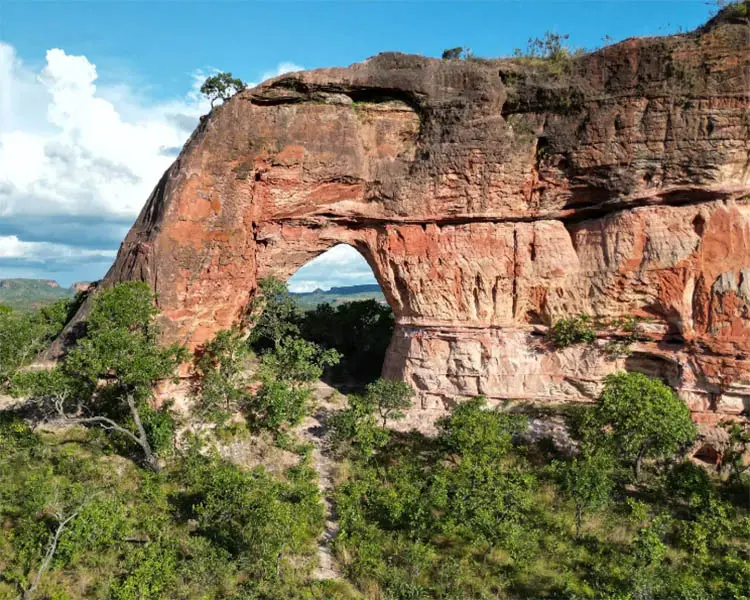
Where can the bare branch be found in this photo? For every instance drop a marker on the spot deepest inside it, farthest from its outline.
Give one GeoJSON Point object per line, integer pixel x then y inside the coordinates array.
{"type": "Point", "coordinates": [49, 555]}
{"type": "Point", "coordinates": [109, 425]}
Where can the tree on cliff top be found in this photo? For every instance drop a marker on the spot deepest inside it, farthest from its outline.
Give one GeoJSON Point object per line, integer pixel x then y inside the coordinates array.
{"type": "Point", "coordinates": [221, 86]}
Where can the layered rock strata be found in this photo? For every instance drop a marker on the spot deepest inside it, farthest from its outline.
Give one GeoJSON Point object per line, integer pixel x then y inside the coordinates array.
{"type": "Point", "coordinates": [490, 198]}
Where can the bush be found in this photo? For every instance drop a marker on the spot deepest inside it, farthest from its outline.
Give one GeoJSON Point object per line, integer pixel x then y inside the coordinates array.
{"type": "Point", "coordinates": [453, 53]}
{"type": "Point", "coordinates": [573, 330]}
{"type": "Point", "coordinates": [23, 337]}
{"type": "Point", "coordinates": [273, 314]}
{"type": "Point", "coordinates": [223, 383]}
{"type": "Point", "coordinates": [642, 418]}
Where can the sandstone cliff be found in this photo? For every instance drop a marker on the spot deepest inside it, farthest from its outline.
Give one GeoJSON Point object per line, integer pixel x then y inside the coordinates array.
{"type": "Point", "coordinates": [490, 198]}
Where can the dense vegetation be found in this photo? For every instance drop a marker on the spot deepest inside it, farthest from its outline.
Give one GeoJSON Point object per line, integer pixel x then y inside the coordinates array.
{"type": "Point", "coordinates": [102, 502]}
{"type": "Point", "coordinates": [105, 495]}
{"type": "Point", "coordinates": [478, 513]}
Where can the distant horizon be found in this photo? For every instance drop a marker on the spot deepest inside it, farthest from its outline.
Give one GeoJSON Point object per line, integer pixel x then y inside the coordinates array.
{"type": "Point", "coordinates": [68, 287]}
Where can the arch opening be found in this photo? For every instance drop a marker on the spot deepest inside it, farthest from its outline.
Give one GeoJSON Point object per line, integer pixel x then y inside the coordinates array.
{"type": "Point", "coordinates": [344, 308]}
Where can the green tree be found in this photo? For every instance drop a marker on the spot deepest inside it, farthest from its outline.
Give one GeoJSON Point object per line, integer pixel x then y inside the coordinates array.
{"type": "Point", "coordinates": [356, 427]}
{"type": "Point", "coordinates": [287, 373]}
{"type": "Point", "coordinates": [453, 53]}
{"type": "Point", "coordinates": [222, 367]}
{"type": "Point", "coordinates": [390, 398]}
{"type": "Point", "coordinates": [107, 379]}
{"type": "Point", "coordinates": [588, 480]}
{"type": "Point", "coordinates": [23, 337]}
{"type": "Point", "coordinates": [273, 314]}
{"type": "Point", "coordinates": [642, 418]}
{"type": "Point", "coordinates": [221, 86]}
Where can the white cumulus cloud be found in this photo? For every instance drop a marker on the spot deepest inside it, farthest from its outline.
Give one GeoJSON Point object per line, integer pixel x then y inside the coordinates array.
{"type": "Point", "coordinates": [78, 160]}
{"type": "Point", "coordinates": [340, 266]}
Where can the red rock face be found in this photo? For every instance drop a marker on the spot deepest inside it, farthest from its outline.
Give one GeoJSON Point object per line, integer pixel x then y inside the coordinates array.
{"type": "Point", "coordinates": [490, 198]}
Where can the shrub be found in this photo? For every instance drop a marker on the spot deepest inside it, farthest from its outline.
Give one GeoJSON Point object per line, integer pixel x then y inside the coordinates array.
{"type": "Point", "coordinates": [453, 53]}
{"type": "Point", "coordinates": [572, 330]}
{"type": "Point", "coordinates": [273, 314]}
{"type": "Point", "coordinates": [223, 381]}
{"type": "Point", "coordinates": [642, 417]}
{"type": "Point", "coordinates": [23, 337]}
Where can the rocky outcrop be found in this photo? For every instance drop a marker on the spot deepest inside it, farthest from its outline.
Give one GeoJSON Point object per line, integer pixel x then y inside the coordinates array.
{"type": "Point", "coordinates": [490, 198]}
{"type": "Point", "coordinates": [82, 287]}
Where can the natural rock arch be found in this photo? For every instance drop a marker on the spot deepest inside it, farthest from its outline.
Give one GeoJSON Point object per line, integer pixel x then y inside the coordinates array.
{"type": "Point", "coordinates": [489, 198]}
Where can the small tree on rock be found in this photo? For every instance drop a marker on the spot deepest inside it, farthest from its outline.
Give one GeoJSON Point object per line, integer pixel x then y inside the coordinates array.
{"type": "Point", "coordinates": [221, 86]}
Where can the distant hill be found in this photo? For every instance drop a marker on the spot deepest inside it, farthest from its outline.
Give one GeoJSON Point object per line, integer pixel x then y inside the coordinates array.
{"type": "Point", "coordinates": [337, 295]}
{"type": "Point", "coordinates": [26, 295]}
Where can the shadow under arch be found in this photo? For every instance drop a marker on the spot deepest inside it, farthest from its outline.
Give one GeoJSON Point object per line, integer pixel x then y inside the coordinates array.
{"type": "Point", "coordinates": [353, 317]}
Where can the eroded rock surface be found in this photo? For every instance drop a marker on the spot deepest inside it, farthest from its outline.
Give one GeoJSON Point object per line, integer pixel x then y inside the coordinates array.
{"type": "Point", "coordinates": [490, 198]}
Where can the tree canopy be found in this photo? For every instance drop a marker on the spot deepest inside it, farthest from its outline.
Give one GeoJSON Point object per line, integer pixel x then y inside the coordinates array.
{"type": "Point", "coordinates": [221, 86]}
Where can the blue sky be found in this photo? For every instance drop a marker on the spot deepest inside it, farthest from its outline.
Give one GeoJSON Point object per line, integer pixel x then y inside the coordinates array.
{"type": "Point", "coordinates": [96, 97]}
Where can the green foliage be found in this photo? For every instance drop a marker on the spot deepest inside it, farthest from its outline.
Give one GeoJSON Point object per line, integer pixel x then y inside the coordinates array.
{"type": "Point", "coordinates": [737, 447]}
{"type": "Point", "coordinates": [551, 47]}
{"type": "Point", "coordinates": [24, 336]}
{"type": "Point", "coordinates": [273, 314]}
{"type": "Point", "coordinates": [473, 514]}
{"type": "Point", "coordinates": [640, 417]}
{"type": "Point", "coordinates": [221, 86]}
{"type": "Point", "coordinates": [120, 345]}
{"type": "Point", "coordinates": [287, 374]}
{"type": "Point", "coordinates": [201, 529]}
{"type": "Point", "coordinates": [390, 398]}
{"type": "Point", "coordinates": [359, 331]}
{"type": "Point", "coordinates": [735, 9]}
{"type": "Point", "coordinates": [572, 330]}
{"type": "Point", "coordinates": [296, 362]}
{"type": "Point", "coordinates": [550, 51]}
{"type": "Point", "coordinates": [107, 379]}
{"type": "Point", "coordinates": [588, 480]}
{"type": "Point", "coordinates": [356, 427]}
{"type": "Point", "coordinates": [223, 380]}
{"type": "Point", "coordinates": [149, 573]}
{"type": "Point", "coordinates": [278, 404]}
{"type": "Point", "coordinates": [258, 520]}
{"type": "Point", "coordinates": [474, 430]}
{"type": "Point", "coordinates": [456, 53]}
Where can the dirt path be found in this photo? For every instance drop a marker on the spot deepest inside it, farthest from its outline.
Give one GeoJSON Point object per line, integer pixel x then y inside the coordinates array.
{"type": "Point", "coordinates": [314, 430]}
